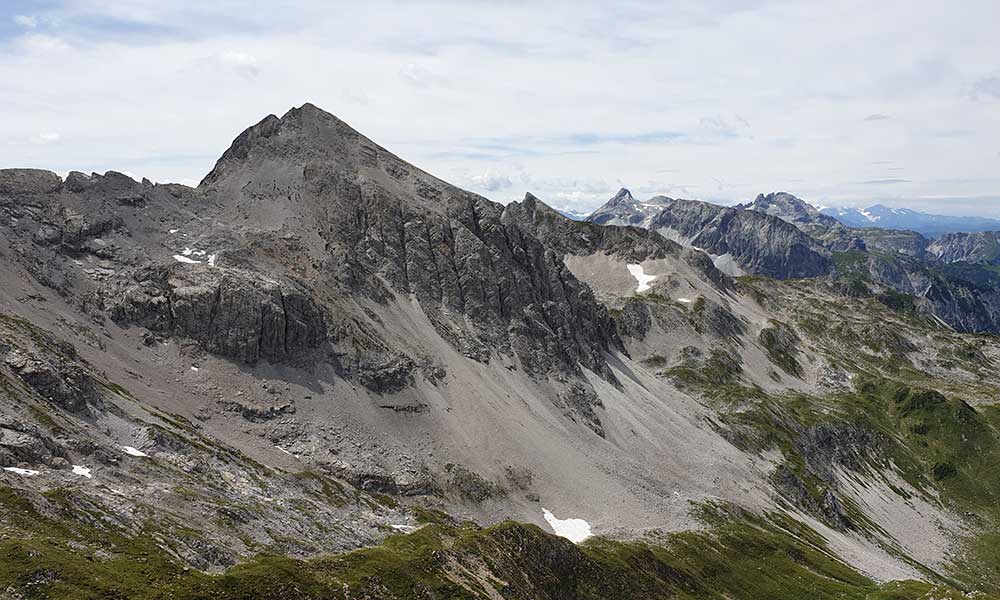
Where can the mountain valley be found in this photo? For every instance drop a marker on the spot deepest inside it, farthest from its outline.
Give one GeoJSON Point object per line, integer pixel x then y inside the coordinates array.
{"type": "Point", "coordinates": [325, 373]}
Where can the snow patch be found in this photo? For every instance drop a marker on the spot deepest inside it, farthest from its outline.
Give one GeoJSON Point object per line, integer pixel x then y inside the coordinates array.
{"type": "Point", "coordinates": [133, 451]}
{"type": "Point", "coordinates": [82, 470]}
{"type": "Point", "coordinates": [286, 451]}
{"type": "Point", "coordinates": [172, 231]}
{"type": "Point", "coordinates": [641, 277]}
{"type": "Point", "coordinates": [211, 259]}
{"type": "Point", "coordinates": [941, 322]}
{"type": "Point", "coordinates": [24, 472]}
{"type": "Point", "coordinates": [868, 215]}
{"type": "Point", "coordinates": [684, 300]}
{"type": "Point", "coordinates": [194, 368]}
{"type": "Point", "coordinates": [726, 264]}
{"type": "Point", "coordinates": [404, 528]}
{"type": "Point", "coordinates": [186, 260]}
{"type": "Point", "coordinates": [575, 530]}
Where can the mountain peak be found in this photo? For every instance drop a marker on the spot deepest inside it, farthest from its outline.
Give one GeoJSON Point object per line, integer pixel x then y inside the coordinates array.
{"type": "Point", "coordinates": [781, 197]}
{"type": "Point", "coordinates": [790, 208]}
{"type": "Point", "coordinates": [623, 195]}
{"type": "Point", "coordinates": [624, 209]}
{"type": "Point", "coordinates": [304, 132]}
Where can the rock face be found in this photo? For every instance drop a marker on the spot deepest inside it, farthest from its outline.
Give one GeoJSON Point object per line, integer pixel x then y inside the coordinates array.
{"type": "Point", "coordinates": [833, 234]}
{"type": "Point", "coordinates": [293, 241]}
{"type": "Point", "coordinates": [740, 240]}
{"type": "Point", "coordinates": [61, 382]}
{"type": "Point", "coordinates": [231, 313]}
{"type": "Point", "coordinates": [904, 261]}
{"type": "Point", "coordinates": [384, 228]}
{"type": "Point", "coordinates": [827, 230]}
{"type": "Point", "coordinates": [25, 182]}
{"type": "Point", "coordinates": [48, 366]}
{"type": "Point", "coordinates": [581, 239]}
{"type": "Point", "coordinates": [623, 209]}
{"type": "Point", "coordinates": [891, 241]}
{"type": "Point", "coordinates": [975, 248]}
{"type": "Point", "coordinates": [962, 295]}
{"type": "Point", "coordinates": [759, 244]}
{"type": "Point", "coordinates": [788, 208]}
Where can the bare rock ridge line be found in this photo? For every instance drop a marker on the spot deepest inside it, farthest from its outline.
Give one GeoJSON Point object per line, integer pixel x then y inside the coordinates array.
{"type": "Point", "coordinates": [781, 236]}
{"type": "Point", "coordinates": [756, 242]}
{"type": "Point", "coordinates": [311, 228]}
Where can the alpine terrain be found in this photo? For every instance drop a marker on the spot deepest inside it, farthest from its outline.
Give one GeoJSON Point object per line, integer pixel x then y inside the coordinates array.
{"type": "Point", "coordinates": [885, 217]}
{"type": "Point", "coordinates": [325, 373]}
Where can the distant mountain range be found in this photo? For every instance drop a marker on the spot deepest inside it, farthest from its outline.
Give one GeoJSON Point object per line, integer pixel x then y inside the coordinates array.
{"type": "Point", "coordinates": [572, 214]}
{"type": "Point", "coordinates": [783, 237]}
{"type": "Point", "coordinates": [929, 225]}
{"type": "Point", "coordinates": [804, 215]}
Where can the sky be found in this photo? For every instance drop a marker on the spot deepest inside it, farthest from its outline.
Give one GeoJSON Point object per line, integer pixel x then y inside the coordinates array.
{"type": "Point", "coordinates": [841, 103]}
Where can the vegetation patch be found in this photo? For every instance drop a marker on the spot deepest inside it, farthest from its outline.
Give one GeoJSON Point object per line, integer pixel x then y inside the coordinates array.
{"type": "Point", "coordinates": [720, 367]}
{"type": "Point", "coordinates": [469, 485]}
{"type": "Point", "coordinates": [738, 555]}
{"type": "Point", "coordinates": [940, 446]}
{"type": "Point", "coordinates": [781, 344]}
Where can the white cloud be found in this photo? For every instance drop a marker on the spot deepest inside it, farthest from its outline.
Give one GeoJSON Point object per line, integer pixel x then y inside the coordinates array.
{"type": "Point", "coordinates": [491, 181]}
{"type": "Point", "coordinates": [418, 75]}
{"type": "Point", "coordinates": [46, 137]}
{"type": "Point", "coordinates": [241, 63]}
{"type": "Point", "coordinates": [354, 96]}
{"type": "Point", "coordinates": [34, 44]}
{"type": "Point", "coordinates": [989, 86]}
{"type": "Point", "coordinates": [26, 21]}
{"type": "Point", "coordinates": [776, 95]}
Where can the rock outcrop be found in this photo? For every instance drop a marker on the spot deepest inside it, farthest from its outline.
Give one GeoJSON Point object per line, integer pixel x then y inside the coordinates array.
{"type": "Point", "coordinates": [974, 248]}
{"type": "Point", "coordinates": [386, 228]}
{"type": "Point", "coordinates": [741, 241]}
{"type": "Point", "coordinates": [757, 243]}
{"type": "Point", "coordinates": [232, 313]}
{"type": "Point", "coordinates": [623, 209]}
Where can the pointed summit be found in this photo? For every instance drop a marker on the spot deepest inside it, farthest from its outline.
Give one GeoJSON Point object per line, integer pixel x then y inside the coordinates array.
{"type": "Point", "coordinates": [623, 209]}
{"type": "Point", "coordinates": [303, 133]}
{"type": "Point", "coordinates": [621, 197]}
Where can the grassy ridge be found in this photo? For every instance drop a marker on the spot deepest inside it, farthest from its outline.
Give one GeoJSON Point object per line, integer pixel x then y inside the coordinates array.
{"type": "Point", "coordinates": [941, 446]}
{"type": "Point", "coordinates": [739, 555]}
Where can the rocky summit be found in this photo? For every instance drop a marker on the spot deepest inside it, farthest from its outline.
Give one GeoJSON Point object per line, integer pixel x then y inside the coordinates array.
{"type": "Point", "coordinates": [325, 373]}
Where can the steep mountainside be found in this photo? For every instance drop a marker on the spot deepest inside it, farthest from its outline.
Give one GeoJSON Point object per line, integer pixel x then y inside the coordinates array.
{"type": "Point", "coordinates": [961, 295]}
{"type": "Point", "coordinates": [832, 233]}
{"type": "Point", "coordinates": [740, 241]}
{"type": "Point", "coordinates": [789, 208]}
{"type": "Point", "coordinates": [623, 209]}
{"type": "Point", "coordinates": [324, 373]}
{"type": "Point", "coordinates": [975, 248]}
